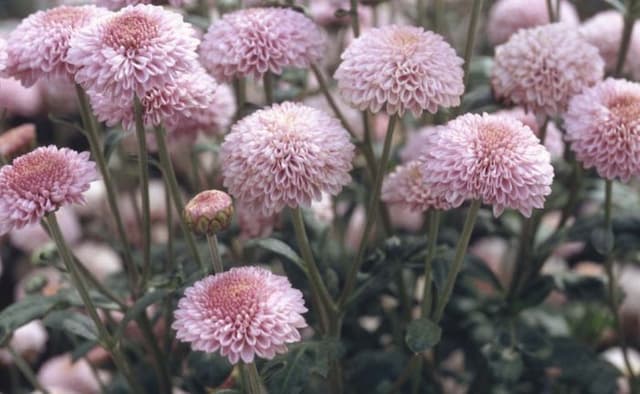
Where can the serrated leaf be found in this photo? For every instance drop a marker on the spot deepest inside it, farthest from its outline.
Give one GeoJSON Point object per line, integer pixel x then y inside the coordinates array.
{"type": "Point", "coordinates": [22, 312]}
{"type": "Point", "coordinates": [74, 323]}
{"type": "Point", "coordinates": [280, 248]}
{"type": "Point", "coordinates": [422, 334]}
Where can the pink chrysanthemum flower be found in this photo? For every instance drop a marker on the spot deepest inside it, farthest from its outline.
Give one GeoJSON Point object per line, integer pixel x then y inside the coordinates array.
{"type": "Point", "coordinates": [417, 142]}
{"type": "Point", "coordinates": [494, 159]}
{"type": "Point", "coordinates": [553, 140]}
{"type": "Point", "coordinates": [603, 127]}
{"type": "Point", "coordinates": [604, 31]}
{"type": "Point", "coordinates": [242, 313]}
{"type": "Point", "coordinates": [214, 119]}
{"type": "Point", "coordinates": [506, 17]}
{"type": "Point", "coordinates": [286, 155]}
{"type": "Point", "coordinates": [40, 182]}
{"type": "Point", "coordinates": [406, 186]}
{"type": "Point", "coordinates": [400, 68]}
{"type": "Point", "coordinates": [38, 47]}
{"type": "Point", "coordinates": [254, 41]}
{"type": "Point", "coordinates": [253, 223]}
{"type": "Point", "coordinates": [543, 67]}
{"type": "Point", "coordinates": [133, 51]}
{"type": "Point", "coordinates": [117, 4]}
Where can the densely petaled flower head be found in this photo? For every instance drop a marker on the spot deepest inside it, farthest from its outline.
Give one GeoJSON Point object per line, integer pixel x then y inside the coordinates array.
{"type": "Point", "coordinates": [38, 47]}
{"type": "Point", "coordinates": [209, 212]}
{"type": "Point", "coordinates": [495, 159]}
{"type": "Point", "coordinates": [508, 16]}
{"type": "Point", "coordinates": [133, 51]}
{"type": "Point", "coordinates": [189, 94]}
{"type": "Point", "coordinates": [286, 155]}
{"type": "Point", "coordinates": [40, 182]}
{"type": "Point", "coordinates": [400, 68]}
{"type": "Point", "coordinates": [553, 139]}
{"type": "Point", "coordinates": [543, 67]}
{"type": "Point", "coordinates": [252, 41]}
{"type": "Point", "coordinates": [242, 313]}
{"type": "Point", "coordinates": [604, 31]}
{"type": "Point", "coordinates": [417, 141]}
{"type": "Point", "coordinates": [211, 120]}
{"type": "Point", "coordinates": [406, 186]}
{"type": "Point", "coordinates": [117, 4]}
{"type": "Point", "coordinates": [603, 127]}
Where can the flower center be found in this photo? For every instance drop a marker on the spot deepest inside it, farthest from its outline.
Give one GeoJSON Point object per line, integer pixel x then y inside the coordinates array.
{"type": "Point", "coordinates": [130, 31]}
{"type": "Point", "coordinates": [626, 108]}
{"type": "Point", "coordinates": [404, 39]}
{"type": "Point", "coordinates": [40, 171]}
{"type": "Point", "coordinates": [493, 145]}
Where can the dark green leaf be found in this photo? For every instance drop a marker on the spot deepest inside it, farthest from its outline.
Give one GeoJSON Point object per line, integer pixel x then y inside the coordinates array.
{"type": "Point", "coordinates": [280, 248]}
{"type": "Point", "coordinates": [83, 349]}
{"type": "Point", "coordinates": [602, 241]}
{"type": "Point", "coordinates": [74, 323]}
{"type": "Point", "coordinates": [535, 293]}
{"type": "Point", "coordinates": [422, 334]}
{"type": "Point", "coordinates": [22, 312]}
{"type": "Point", "coordinates": [208, 369]}
{"type": "Point", "coordinates": [505, 362]}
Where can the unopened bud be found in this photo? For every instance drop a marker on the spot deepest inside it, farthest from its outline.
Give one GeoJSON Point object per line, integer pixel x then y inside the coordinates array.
{"type": "Point", "coordinates": [209, 212]}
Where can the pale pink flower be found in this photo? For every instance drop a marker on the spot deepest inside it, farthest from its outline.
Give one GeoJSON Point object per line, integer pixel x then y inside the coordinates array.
{"type": "Point", "coordinates": [188, 95]}
{"type": "Point", "coordinates": [17, 140]}
{"type": "Point", "coordinates": [32, 237]}
{"type": "Point", "coordinates": [494, 159]}
{"type": "Point", "coordinates": [62, 373]}
{"type": "Point", "coordinates": [399, 68]}
{"type": "Point", "coordinates": [29, 341]}
{"type": "Point", "coordinates": [417, 142]}
{"type": "Point", "coordinates": [59, 96]}
{"type": "Point", "coordinates": [404, 218]}
{"type": "Point", "coordinates": [100, 259]}
{"type": "Point", "coordinates": [603, 128]}
{"type": "Point", "coordinates": [541, 68]}
{"type": "Point", "coordinates": [604, 31]}
{"type": "Point", "coordinates": [242, 313]}
{"type": "Point", "coordinates": [38, 47]}
{"type": "Point", "coordinates": [253, 223]}
{"type": "Point", "coordinates": [254, 41]}
{"type": "Point", "coordinates": [286, 155]}
{"type": "Point", "coordinates": [553, 140]}
{"type": "Point", "coordinates": [209, 212]}
{"type": "Point", "coordinates": [117, 4]}
{"type": "Point", "coordinates": [40, 182]}
{"type": "Point", "coordinates": [406, 186]}
{"type": "Point", "coordinates": [18, 100]}
{"type": "Point", "coordinates": [133, 51]}
{"type": "Point", "coordinates": [508, 16]}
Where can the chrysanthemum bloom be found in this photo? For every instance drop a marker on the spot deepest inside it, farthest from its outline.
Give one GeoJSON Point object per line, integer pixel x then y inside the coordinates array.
{"type": "Point", "coordinates": [603, 128]}
{"type": "Point", "coordinates": [242, 313]}
{"type": "Point", "coordinates": [40, 182]}
{"type": "Point", "coordinates": [254, 41]}
{"type": "Point", "coordinates": [508, 16]}
{"type": "Point", "coordinates": [29, 341]}
{"type": "Point", "coordinates": [286, 155]}
{"type": "Point", "coordinates": [17, 141]}
{"type": "Point", "coordinates": [190, 93]}
{"type": "Point", "coordinates": [400, 68]}
{"type": "Point", "coordinates": [209, 212]}
{"type": "Point", "coordinates": [38, 47]}
{"type": "Point", "coordinates": [133, 51]}
{"type": "Point", "coordinates": [553, 139]}
{"type": "Point", "coordinates": [212, 120]}
{"type": "Point", "coordinates": [68, 376]}
{"type": "Point", "coordinates": [117, 4]}
{"type": "Point", "coordinates": [494, 159]}
{"type": "Point", "coordinates": [543, 67]}
{"type": "Point", "coordinates": [417, 142]}
{"type": "Point", "coordinates": [604, 31]}
{"type": "Point", "coordinates": [253, 223]}
{"type": "Point", "coordinates": [18, 100]}
{"type": "Point", "coordinates": [406, 186]}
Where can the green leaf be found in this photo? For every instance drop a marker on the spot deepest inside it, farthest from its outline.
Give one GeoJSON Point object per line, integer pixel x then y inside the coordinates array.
{"type": "Point", "coordinates": [535, 293]}
{"type": "Point", "coordinates": [602, 241]}
{"type": "Point", "coordinates": [208, 369]}
{"type": "Point", "coordinates": [505, 363]}
{"type": "Point", "coordinates": [581, 287]}
{"type": "Point", "coordinates": [533, 343]}
{"type": "Point", "coordinates": [74, 323]}
{"type": "Point", "coordinates": [422, 334]}
{"type": "Point", "coordinates": [280, 248]}
{"type": "Point", "coordinates": [140, 307]}
{"type": "Point", "coordinates": [82, 350]}
{"type": "Point", "coordinates": [22, 312]}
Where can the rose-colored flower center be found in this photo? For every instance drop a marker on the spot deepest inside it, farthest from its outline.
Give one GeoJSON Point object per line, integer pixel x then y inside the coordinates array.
{"type": "Point", "coordinates": [404, 39]}
{"type": "Point", "coordinates": [210, 201]}
{"type": "Point", "coordinates": [38, 172]}
{"type": "Point", "coordinates": [493, 144]}
{"type": "Point", "coordinates": [130, 31]}
{"type": "Point", "coordinates": [234, 297]}
{"type": "Point", "coordinates": [626, 108]}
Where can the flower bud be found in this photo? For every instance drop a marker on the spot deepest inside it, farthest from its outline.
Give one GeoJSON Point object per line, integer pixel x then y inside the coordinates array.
{"type": "Point", "coordinates": [209, 212]}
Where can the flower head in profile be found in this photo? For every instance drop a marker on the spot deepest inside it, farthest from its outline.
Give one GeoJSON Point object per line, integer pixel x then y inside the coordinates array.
{"type": "Point", "coordinates": [406, 186]}
{"type": "Point", "coordinates": [541, 68]}
{"type": "Point", "coordinates": [400, 68]}
{"type": "Point", "coordinates": [242, 313]}
{"type": "Point", "coordinates": [41, 182]}
{"type": "Point", "coordinates": [603, 128]}
{"type": "Point", "coordinates": [189, 94]}
{"type": "Point", "coordinates": [38, 46]}
{"type": "Point", "coordinates": [254, 41]}
{"type": "Point", "coordinates": [417, 141]}
{"type": "Point", "coordinates": [508, 16]}
{"type": "Point", "coordinates": [494, 159]}
{"type": "Point", "coordinates": [133, 51]}
{"type": "Point", "coordinates": [117, 4]}
{"type": "Point", "coordinates": [286, 155]}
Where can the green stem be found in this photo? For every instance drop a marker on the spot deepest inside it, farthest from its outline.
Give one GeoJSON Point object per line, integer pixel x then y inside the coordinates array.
{"type": "Point", "coordinates": [421, 11]}
{"type": "Point", "coordinates": [240, 90]}
{"type": "Point", "coordinates": [251, 381]}
{"type": "Point", "coordinates": [161, 365]}
{"type": "Point", "coordinates": [456, 265]}
{"type": "Point", "coordinates": [212, 240]}
{"type": "Point", "coordinates": [91, 129]}
{"type": "Point", "coordinates": [26, 370]}
{"type": "Point", "coordinates": [320, 293]}
{"type": "Point", "coordinates": [174, 190]}
{"type": "Point", "coordinates": [612, 297]}
{"type": "Point", "coordinates": [170, 266]}
{"type": "Point", "coordinates": [76, 277]}
{"type": "Point", "coordinates": [434, 225]}
{"type": "Point", "coordinates": [552, 17]}
{"type": "Point", "coordinates": [267, 80]}
{"type": "Point", "coordinates": [355, 20]}
{"type": "Point", "coordinates": [438, 12]}
{"type": "Point", "coordinates": [625, 42]}
{"type": "Point", "coordinates": [143, 170]}
{"type": "Point", "coordinates": [372, 211]}
{"type": "Point", "coordinates": [468, 49]}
